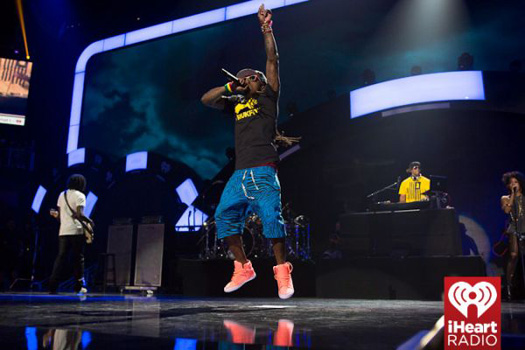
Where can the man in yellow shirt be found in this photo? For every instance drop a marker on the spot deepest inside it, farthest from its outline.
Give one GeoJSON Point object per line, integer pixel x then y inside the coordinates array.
{"type": "Point", "coordinates": [413, 188]}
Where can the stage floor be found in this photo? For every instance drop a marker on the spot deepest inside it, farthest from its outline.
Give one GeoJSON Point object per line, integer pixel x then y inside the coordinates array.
{"type": "Point", "coordinates": [133, 322]}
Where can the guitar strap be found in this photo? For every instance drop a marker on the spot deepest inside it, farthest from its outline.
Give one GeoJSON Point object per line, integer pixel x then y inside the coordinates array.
{"type": "Point", "coordinates": [72, 211]}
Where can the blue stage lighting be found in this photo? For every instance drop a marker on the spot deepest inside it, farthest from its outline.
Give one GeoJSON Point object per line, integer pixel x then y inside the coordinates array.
{"type": "Point", "coordinates": [136, 161]}
{"type": "Point", "coordinates": [78, 156]}
{"type": "Point", "coordinates": [39, 197]}
{"type": "Point", "coordinates": [448, 86]}
{"type": "Point", "coordinates": [91, 200]}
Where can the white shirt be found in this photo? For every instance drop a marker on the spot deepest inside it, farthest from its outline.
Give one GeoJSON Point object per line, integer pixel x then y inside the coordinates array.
{"type": "Point", "coordinates": [68, 225]}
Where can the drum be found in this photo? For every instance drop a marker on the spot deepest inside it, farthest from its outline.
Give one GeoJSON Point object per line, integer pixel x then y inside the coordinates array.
{"type": "Point", "coordinates": [255, 244]}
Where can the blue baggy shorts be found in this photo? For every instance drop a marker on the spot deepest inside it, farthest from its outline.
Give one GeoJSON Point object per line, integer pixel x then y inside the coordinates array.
{"type": "Point", "coordinates": [250, 190]}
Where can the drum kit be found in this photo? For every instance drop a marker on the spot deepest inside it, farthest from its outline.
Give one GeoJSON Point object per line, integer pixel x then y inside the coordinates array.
{"type": "Point", "coordinates": [255, 244]}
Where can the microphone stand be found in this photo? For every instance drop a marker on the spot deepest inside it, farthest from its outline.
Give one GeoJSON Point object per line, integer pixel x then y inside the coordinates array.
{"type": "Point", "coordinates": [389, 187]}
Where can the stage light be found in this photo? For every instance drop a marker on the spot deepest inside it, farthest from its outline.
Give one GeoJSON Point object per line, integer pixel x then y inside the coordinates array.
{"type": "Point", "coordinates": [89, 51]}
{"type": "Point", "coordinates": [191, 218]}
{"type": "Point", "coordinates": [86, 339]}
{"type": "Point", "coordinates": [293, 2]}
{"type": "Point", "coordinates": [76, 109]}
{"type": "Point", "coordinates": [39, 197]}
{"type": "Point", "coordinates": [475, 240]}
{"type": "Point", "coordinates": [251, 7]}
{"type": "Point", "coordinates": [185, 344]}
{"type": "Point", "coordinates": [289, 151]}
{"type": "Point", "coordinates": [196, 21]}
{"type": "Point", "coordinates": [22, 25]}
{"type": "Point", "coordinates": [423, 88]}
{"type": "Point", "coordinates": [72, 140]}
{"type": "Point", "coordinates": [78, 156]}
{"type": "Point", "coordinates": [136, 161]}
{"type": "Point", "coordinates": [150, 33]}
{"type": "Point", "coordinates": [187, 192]}
{"type": "Point", "coordinates": [91, 200]}
{"type": "Point", "coordinates": [113, 42]}
{"type": "Point", "coordinates": [31, 338]}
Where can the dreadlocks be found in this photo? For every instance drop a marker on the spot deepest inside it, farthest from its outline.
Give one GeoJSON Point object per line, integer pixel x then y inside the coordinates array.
{"type": "Point", "coordinates": [286, 141]}
{"type": "Point", "coordinates": [76, 182]}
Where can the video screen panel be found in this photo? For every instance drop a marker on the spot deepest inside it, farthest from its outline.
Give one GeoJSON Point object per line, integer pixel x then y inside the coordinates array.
{"type": "Point", "coordinates": [15, 76]}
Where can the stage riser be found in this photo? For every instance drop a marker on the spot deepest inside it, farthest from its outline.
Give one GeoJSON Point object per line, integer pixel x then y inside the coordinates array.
{"type": "Point", "coordinates": [414, 278]}
{"type": "Point", "coordinates": [208, 278]}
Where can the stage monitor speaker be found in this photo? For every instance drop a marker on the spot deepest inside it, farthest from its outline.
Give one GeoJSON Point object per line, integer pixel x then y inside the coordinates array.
{"type": "Point", "coordinates": [150, 249]}
{"type": "Point", "coordinates": [120, 239]}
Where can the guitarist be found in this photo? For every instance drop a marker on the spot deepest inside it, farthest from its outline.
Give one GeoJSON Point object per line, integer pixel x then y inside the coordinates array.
{"type": "Point", "coordinates": [71, 234]}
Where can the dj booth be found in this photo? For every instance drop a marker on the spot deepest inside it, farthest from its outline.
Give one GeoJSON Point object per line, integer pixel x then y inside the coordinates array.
{"type": "Point", "coordinates": [401, 230]}
{"type": "Point", "coordinates": [396, 251]}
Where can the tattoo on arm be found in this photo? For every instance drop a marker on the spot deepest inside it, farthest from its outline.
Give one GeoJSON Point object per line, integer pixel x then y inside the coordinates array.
{"type": "Point", "coordinates": [272, 61]}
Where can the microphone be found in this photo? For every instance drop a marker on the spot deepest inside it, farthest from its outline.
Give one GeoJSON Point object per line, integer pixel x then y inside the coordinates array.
{"type": "Point", "coordinates": [230, 76]}
{"type": "Point", "coordinates": [234, 98]}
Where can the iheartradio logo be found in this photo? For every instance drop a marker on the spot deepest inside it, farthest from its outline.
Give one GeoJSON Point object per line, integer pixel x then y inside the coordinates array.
{"type": "Point", "coordinates": [479, 329]}
{"type": "Point", "coordinates": [461, 295]}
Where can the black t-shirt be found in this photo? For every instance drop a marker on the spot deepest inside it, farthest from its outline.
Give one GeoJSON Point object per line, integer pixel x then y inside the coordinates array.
{"type": "Point", "coordinates": [255, 128]}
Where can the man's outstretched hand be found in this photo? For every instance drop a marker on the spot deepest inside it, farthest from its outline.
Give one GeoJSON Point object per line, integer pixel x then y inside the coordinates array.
{"type": "Point", "coordinates": [264, 15]}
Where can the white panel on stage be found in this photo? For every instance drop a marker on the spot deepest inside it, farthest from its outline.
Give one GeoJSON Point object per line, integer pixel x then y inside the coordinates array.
{"type": "Point", "coordinates": [150, 248]}
{"type": "Point", "coordinates": [120, 239]}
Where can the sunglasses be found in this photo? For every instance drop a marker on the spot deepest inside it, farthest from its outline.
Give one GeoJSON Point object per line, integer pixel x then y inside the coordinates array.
{"type": "Point", "coordinates": [252, 78]}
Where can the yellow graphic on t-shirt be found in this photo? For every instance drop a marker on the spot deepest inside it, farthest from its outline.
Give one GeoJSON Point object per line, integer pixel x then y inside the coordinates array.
{"type": "Point", "coordinates": [414, 189]}
{"type": "Point", "coordinates": [245, 110]}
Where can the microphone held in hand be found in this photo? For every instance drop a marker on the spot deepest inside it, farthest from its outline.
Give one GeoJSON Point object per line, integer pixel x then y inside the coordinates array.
{"type": "Point", "coordinates": [234, 98]}
{"type": "Point", "coordinates": [230, 76]}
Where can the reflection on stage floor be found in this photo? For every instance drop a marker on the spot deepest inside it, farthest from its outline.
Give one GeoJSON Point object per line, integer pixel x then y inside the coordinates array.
{"type": "Point", "coordinates": [66, 321]}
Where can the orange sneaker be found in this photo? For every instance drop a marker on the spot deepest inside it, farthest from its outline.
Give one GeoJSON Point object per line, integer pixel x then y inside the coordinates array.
{"type": "Point", "coordinates": [283, 335]}
{"type": "Point", "coordinates": [283, 275]}
{"type": "Point", "coordinates": [239, 333]}
{"type": "Point", "coordinates": [241, 274]}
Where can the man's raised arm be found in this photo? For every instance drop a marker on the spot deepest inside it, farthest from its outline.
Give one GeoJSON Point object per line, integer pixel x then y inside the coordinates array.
{"type": "Point", "coordinates": [272, 56]}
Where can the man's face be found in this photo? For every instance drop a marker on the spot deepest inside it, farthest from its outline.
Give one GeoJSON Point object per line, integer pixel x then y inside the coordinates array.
{"type": "Point", "coordinates": [415, 170]}
{"type": "Point", "coordinates": [254, 82]}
